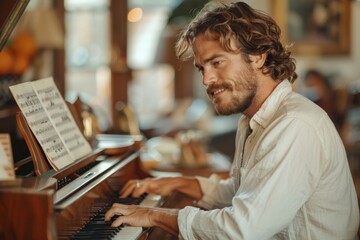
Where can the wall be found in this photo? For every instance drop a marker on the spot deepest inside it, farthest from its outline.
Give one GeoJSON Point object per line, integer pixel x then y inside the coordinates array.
{"type": "Point", "coordinates": [344, 68]}
{"type": "Point", "coordinates": [347, 68]}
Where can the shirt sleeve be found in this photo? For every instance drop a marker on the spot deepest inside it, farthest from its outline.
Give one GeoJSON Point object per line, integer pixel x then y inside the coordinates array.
{"type": "Point", "coordinates": [271, 191]}
{"type": "Point", "coordinates": [217, 192]}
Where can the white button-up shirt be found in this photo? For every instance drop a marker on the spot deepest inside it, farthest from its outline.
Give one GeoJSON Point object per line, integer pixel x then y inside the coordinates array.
{"type": "Point", "coordinates": [290, 179]}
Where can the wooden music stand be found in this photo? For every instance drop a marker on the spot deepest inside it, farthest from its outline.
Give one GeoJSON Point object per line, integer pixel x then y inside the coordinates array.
{"type": "Point", "coordinates": [41, 164]}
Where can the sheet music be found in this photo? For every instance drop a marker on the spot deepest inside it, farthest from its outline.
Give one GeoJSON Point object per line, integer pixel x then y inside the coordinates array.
{"type": "Point", "coordinates": [6, 160]}
{"type": "Point", "coordinates": [62, 118]}
{"type": "Point", "coordinates": [51, 121]}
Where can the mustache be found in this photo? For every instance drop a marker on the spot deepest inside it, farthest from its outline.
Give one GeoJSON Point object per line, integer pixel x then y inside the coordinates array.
{"type": "Point", "coordinates": [216, 86]}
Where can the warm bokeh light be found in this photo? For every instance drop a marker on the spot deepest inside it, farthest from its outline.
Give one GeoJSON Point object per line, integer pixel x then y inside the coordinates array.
{"type": "Point", "coordinates": [135, 15]}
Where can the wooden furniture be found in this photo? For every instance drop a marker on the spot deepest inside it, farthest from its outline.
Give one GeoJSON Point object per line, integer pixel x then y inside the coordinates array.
{"type": "Point", "coordinates": [11, 11]}
{"type": "Point", "coordinates": [58, 210]}
{"type": "Point", "coordinates": [70, 203]}
{"type": "Point", "coordinates": [65, 202]}
{"type": "Point", "coordinates": [218, 164]}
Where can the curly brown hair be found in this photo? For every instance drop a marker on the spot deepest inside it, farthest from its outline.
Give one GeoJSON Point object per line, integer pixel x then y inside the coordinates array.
{"type": "Point", "coordinates": [256, 33]}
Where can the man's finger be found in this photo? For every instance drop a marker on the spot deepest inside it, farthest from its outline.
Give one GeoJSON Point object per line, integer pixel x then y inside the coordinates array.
{"type": "Point", "coordinates": [127, 191]}
{"type": "Point", "coordinates": [116, 209]}
{"type": "Point", "coordinates": [138, 191]}
{"type": "Point", "coordinates": [127, 185]}
{"type": "Point", "coordinates": [118, 221]}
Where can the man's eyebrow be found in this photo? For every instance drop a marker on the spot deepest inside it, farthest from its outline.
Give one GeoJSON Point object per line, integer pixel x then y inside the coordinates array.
{"type": "Point", "coordinates": [209, 59]}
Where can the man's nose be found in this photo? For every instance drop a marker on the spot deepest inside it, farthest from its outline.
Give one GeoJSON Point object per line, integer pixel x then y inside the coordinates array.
{"type": "Point", "coordinates": [209, 77]}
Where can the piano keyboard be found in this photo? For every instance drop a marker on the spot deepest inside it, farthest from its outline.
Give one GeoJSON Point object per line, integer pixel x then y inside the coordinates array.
{"type": "Point", "coordinates": [97, 228]}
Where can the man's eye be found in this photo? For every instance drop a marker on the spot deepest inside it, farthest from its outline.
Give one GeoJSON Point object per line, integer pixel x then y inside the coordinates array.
{"type": "Point", "coordinates": [216, 63]}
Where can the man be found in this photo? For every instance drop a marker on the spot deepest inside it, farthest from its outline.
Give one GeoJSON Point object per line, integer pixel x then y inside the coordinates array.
{"type": "Point", "coordinates": [290, 178]}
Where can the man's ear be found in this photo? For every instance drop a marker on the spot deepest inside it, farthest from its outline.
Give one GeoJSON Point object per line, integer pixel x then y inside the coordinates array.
{"type": "Point", "coordinates": [258, 60]}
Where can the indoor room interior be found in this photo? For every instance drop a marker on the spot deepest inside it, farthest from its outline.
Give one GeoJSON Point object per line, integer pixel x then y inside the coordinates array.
{"type": "Point", "coordinates": [114, 62]}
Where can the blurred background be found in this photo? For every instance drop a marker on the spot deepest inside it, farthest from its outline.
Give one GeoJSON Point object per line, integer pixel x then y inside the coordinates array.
{"type": "Point", "coordinates": [116, 57]}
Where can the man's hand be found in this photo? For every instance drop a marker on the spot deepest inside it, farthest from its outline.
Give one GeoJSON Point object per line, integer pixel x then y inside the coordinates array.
{"type": "Point", "coordinates": [129, 214]}
{"type": "Point", "coordinates": [144, 217]}
{"type": "Point", "coordinates": [163, 187]}
{"type": "Point", "coordinates": [159, 186]}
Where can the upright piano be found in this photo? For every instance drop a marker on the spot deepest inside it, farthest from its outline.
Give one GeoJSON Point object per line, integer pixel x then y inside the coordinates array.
{"type": "Point", "coordinates": [70, 204]}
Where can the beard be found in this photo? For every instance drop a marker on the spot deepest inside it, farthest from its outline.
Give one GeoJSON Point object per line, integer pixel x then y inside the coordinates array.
{"type": "Point", "coordinates": [240, 91]}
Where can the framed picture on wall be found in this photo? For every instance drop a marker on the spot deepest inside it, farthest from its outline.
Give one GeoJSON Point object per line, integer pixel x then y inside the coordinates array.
{"type": "Point", "coordinates": [314, 26]}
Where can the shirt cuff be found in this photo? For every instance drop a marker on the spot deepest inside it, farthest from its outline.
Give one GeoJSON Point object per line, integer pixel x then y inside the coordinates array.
{"type": "Point", "coordinates": [208, 186]}
{"type": "Point", "coordinates": [185, 222]}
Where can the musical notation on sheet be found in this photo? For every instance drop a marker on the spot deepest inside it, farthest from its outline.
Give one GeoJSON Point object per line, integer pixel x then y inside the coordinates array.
{"type": "Point", "coordinates": [61, 118]}
{"type": "Point", "coordinates": [51, 121]}
{"type": "Point", "coordinates": [6, 159]}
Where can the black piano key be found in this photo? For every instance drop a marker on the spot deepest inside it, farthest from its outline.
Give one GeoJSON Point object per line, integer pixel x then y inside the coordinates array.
{"type": "Point", "coordinates": [90, 237]}
{"type": "Point", "coordinates": [87, 238]}
{"type": "Point", "coordinates": [96, 232]}
{"type": "Point", "coordinates": [94, 235]}
{"type": "Point", "coordinates": [96, 227]}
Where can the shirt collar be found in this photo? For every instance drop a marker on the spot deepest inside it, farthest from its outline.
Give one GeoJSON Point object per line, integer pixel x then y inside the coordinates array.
{"type": "Point", "coordinates": [264, 115]}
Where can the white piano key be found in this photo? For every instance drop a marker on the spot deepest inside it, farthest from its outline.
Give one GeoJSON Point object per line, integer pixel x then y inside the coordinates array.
{"type": "Point", "coordinates": [151, 200]}
{"type": "Point", "coordinates": [128, 233]}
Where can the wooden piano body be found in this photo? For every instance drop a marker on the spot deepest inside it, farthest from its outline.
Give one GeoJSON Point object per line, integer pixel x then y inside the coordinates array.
{"type": "Point", "coordinates": [57, 204]}
{"type": "Point", "coordinates": [61, 203]}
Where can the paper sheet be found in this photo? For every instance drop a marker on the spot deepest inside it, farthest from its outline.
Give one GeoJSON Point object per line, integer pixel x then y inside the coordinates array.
{"type": "Point", "coordinates": [51, 122]}
{"type": "Point", "coordinates": [6, 160]}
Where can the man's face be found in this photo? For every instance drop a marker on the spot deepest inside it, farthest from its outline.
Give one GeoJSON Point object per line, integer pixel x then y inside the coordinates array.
{"type": "Point", "coordinates": [230, 81]}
